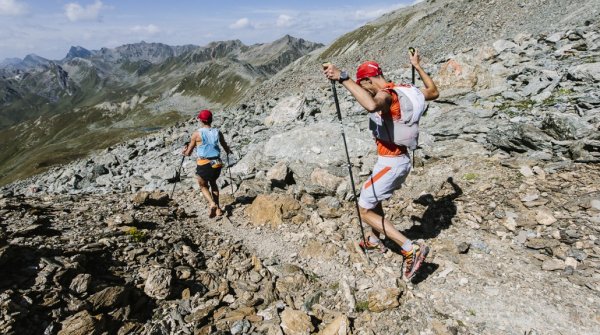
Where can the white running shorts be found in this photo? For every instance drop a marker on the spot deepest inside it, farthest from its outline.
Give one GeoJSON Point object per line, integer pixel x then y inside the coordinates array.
{"type": "Point", "coordinates": [388, 175]}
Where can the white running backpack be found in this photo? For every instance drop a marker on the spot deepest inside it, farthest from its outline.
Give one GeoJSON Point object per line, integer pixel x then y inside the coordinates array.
{"type": "Point", "coordinates": [405, 131]}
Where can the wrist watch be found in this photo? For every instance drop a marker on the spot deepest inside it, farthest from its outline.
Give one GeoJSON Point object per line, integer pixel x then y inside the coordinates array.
{"type": "Point", "coordinates": [343, 76]}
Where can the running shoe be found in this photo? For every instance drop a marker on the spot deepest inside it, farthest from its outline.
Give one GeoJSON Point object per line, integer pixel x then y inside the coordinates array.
{"type": "Point", "coordinates": [413, 259]}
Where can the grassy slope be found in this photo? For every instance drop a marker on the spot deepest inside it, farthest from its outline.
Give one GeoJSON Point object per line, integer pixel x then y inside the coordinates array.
{"type": "Point", "coordinates": [62, 138]}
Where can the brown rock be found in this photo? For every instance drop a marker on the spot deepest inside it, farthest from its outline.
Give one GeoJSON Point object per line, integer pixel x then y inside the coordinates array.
{"type": "Point", "coordinates": [322, 250]}
{"type": "Point", "coordinates": [544, 217]}
{"type": "Point", "coordinates": [553, 264]}
{"type": "Point", "coordinates": [295, 322]}
{"type": "Point", "coordinates": [140, 198]}
{"type": "Point", "coordinates": [109, 298]}
{"type": "Point", "coordinates": [339, 326]}
{"type": "Point", "coordinates": [541, 243]}
{"type": "Point", "coordinates": [82, 323]}
{"type": "Point", "coordinates": [323, 178]}
{"type": "Point", "coordinates": [381, 300]}
{"type": "Point", "coordinates": [272, 209]}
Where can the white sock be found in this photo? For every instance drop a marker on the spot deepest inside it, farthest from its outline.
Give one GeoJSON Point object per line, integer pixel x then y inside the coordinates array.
{"type": "Point", "coordinates": [373, 239]}
{"type": "Point", "coordinates": [407, 246]}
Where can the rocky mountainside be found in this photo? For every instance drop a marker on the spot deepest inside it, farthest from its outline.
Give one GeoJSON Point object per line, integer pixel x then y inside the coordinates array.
{"type": "Point", "coordinates": [92, 99]}
{"type": "Point", "coordinates": [505, 190]}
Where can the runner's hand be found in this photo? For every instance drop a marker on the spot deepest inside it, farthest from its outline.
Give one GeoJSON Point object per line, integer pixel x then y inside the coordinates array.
{"type": "Point", "coordinates": [331, 72]}
{"type": "Point", "coordinates": [415, 59]}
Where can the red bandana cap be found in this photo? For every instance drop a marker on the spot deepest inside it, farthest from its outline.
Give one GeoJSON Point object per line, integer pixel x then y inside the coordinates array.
{"type": "Point", "coordinates": [366, 70]}
{"type": "Point", "coordinates": [205, 115]}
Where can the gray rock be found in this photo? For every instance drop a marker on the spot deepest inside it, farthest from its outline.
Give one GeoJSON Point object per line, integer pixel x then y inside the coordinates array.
{"type": "Point", "coordinates": [299, 143]}
{"type": "Point", "coordinates": [589, 72]}
{"type": "Point", "coordinates": [81, 283]}
{"type": "Point", "coordinates": [519, 138]}
{"type": "Point", "coordinates": [158, 283]}
{"type": "Point", "coordinates": [566, 126]}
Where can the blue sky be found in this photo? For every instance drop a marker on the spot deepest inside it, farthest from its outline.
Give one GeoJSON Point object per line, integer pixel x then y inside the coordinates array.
{"type": "Point", "coordinates": [49, 27]}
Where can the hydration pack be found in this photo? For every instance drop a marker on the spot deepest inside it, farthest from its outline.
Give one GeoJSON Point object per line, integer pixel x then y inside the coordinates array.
{"type": "Point", "coordinates": [405, 130]}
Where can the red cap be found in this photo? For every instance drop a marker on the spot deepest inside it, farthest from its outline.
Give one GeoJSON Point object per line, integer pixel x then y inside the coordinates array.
{"type": "Point", "coordinates": [368, 69]}
{"type": "Point", "coordinates": [205, 115]}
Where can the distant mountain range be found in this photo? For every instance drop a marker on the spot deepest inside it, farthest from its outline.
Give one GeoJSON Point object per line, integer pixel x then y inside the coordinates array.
{"type": "Point", "coordinates": [92, 98]}
{"type": "Point", "coordinates": [37, 86]}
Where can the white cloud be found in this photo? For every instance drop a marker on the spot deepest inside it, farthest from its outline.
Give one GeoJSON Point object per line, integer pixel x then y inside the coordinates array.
{"type": "Point", "coordinates": [241, 23]}
{"type": "Point", "coordinates": [149, 29]}
{"type": "Point", "coordinates": [284, 21]}
{"type": "Point", "coordinates": [12, 8]}
{"type": "Point", "coordinates": [76, 12]}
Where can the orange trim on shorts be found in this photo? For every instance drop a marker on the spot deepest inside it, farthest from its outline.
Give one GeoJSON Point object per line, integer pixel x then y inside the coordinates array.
{"type": "Point", "coordinates": [376, 177]}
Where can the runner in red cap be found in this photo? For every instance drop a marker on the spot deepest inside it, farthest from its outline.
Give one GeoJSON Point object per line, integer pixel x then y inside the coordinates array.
{"type": "Point", "coordinates": [382, 99]}
{"type": "Point", "coordinates": [207, 141]}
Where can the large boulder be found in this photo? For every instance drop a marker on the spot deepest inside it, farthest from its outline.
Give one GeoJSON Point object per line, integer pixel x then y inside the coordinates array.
{"type": "Point", "coordinates": [585, 72]}
{"type": "Point", "coordinates": [566, 126]}
{"type": "Point", "coordinates": [319, 144]}
{"type": "Point", "coordinates": [287, 110]}
{"type": "Point", "coordinates": [272, 209]}
{"type": "Point", "coordinates": [520, 138]}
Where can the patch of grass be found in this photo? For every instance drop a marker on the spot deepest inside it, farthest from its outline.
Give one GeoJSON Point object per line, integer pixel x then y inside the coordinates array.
{"type": "Point", "coordinates": [313, 277]}
{"type": "Point", "coordinates": [215, 82]}
{"type": "Point", "coordinates": [470, 176]}
{"type": "Point", "coordinates": [335, 286]}
{"type": "Point", "coordinates": [358, 36]}
{"type": "Point", "coordinates": [362, 306]}
{"type": "Point", "coordinates": [30, 147]}
{"type": "Point", "coordinates": [471, 312]}
{"type": "Point", "coordinates": [136, 235]}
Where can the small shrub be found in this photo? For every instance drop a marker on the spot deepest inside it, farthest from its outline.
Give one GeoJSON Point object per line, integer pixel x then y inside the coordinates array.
{"type": "Point", "coordinates": [470, 176]}
{"type": "Point", "coordinates": [362, 306]}
{"type": "Point", "coordinates": [136, 235]}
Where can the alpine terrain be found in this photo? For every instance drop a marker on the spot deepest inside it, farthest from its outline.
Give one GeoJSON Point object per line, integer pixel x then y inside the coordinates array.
{"type": "Point", "coordinates": [95, 98]}
{"type": "Point", "coordinates": [505, 190]}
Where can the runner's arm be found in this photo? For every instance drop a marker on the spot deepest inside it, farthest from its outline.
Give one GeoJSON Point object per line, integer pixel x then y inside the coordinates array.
{"type": "Point", "coordinates": [430, 91]}
{"type": "Point", "coordinates": [224, 143]}
{"type": "Point", "coordinates": [190, 147]}
{"type": "Point", "coordinates": [380, 102]}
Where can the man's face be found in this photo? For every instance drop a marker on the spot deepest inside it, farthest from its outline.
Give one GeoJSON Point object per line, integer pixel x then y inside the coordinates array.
{"type": "Point", "coordinates": [367, 84]}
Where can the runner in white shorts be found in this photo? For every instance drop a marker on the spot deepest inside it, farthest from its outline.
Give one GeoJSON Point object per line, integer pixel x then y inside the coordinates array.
{"type": "Point", "coordinates": [377, 95]}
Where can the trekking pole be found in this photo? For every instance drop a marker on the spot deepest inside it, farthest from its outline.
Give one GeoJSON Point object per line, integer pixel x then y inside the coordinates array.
{"type": "Point", "coordinates": [177, 176]}
{"type": "Point", "coordinates": [229, 170]}
{"type": "Point", "coordinates": [178, 173]}
{"type": "Point", "coordinates": [339, 115]}
{"type": "Point", "coordinates": [412, 52]}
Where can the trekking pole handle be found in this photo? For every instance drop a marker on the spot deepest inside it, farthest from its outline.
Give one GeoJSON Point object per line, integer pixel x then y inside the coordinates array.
{"type": "Point", "coordinates": [412, 53]}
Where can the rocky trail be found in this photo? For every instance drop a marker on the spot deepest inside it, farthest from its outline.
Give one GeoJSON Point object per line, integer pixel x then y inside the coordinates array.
{"type": "Point", "coordinates": [513, 252]}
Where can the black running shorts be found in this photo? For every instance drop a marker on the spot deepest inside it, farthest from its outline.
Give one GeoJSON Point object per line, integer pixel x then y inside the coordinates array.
{"type": "Point", "coordinates": [207, 172]}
